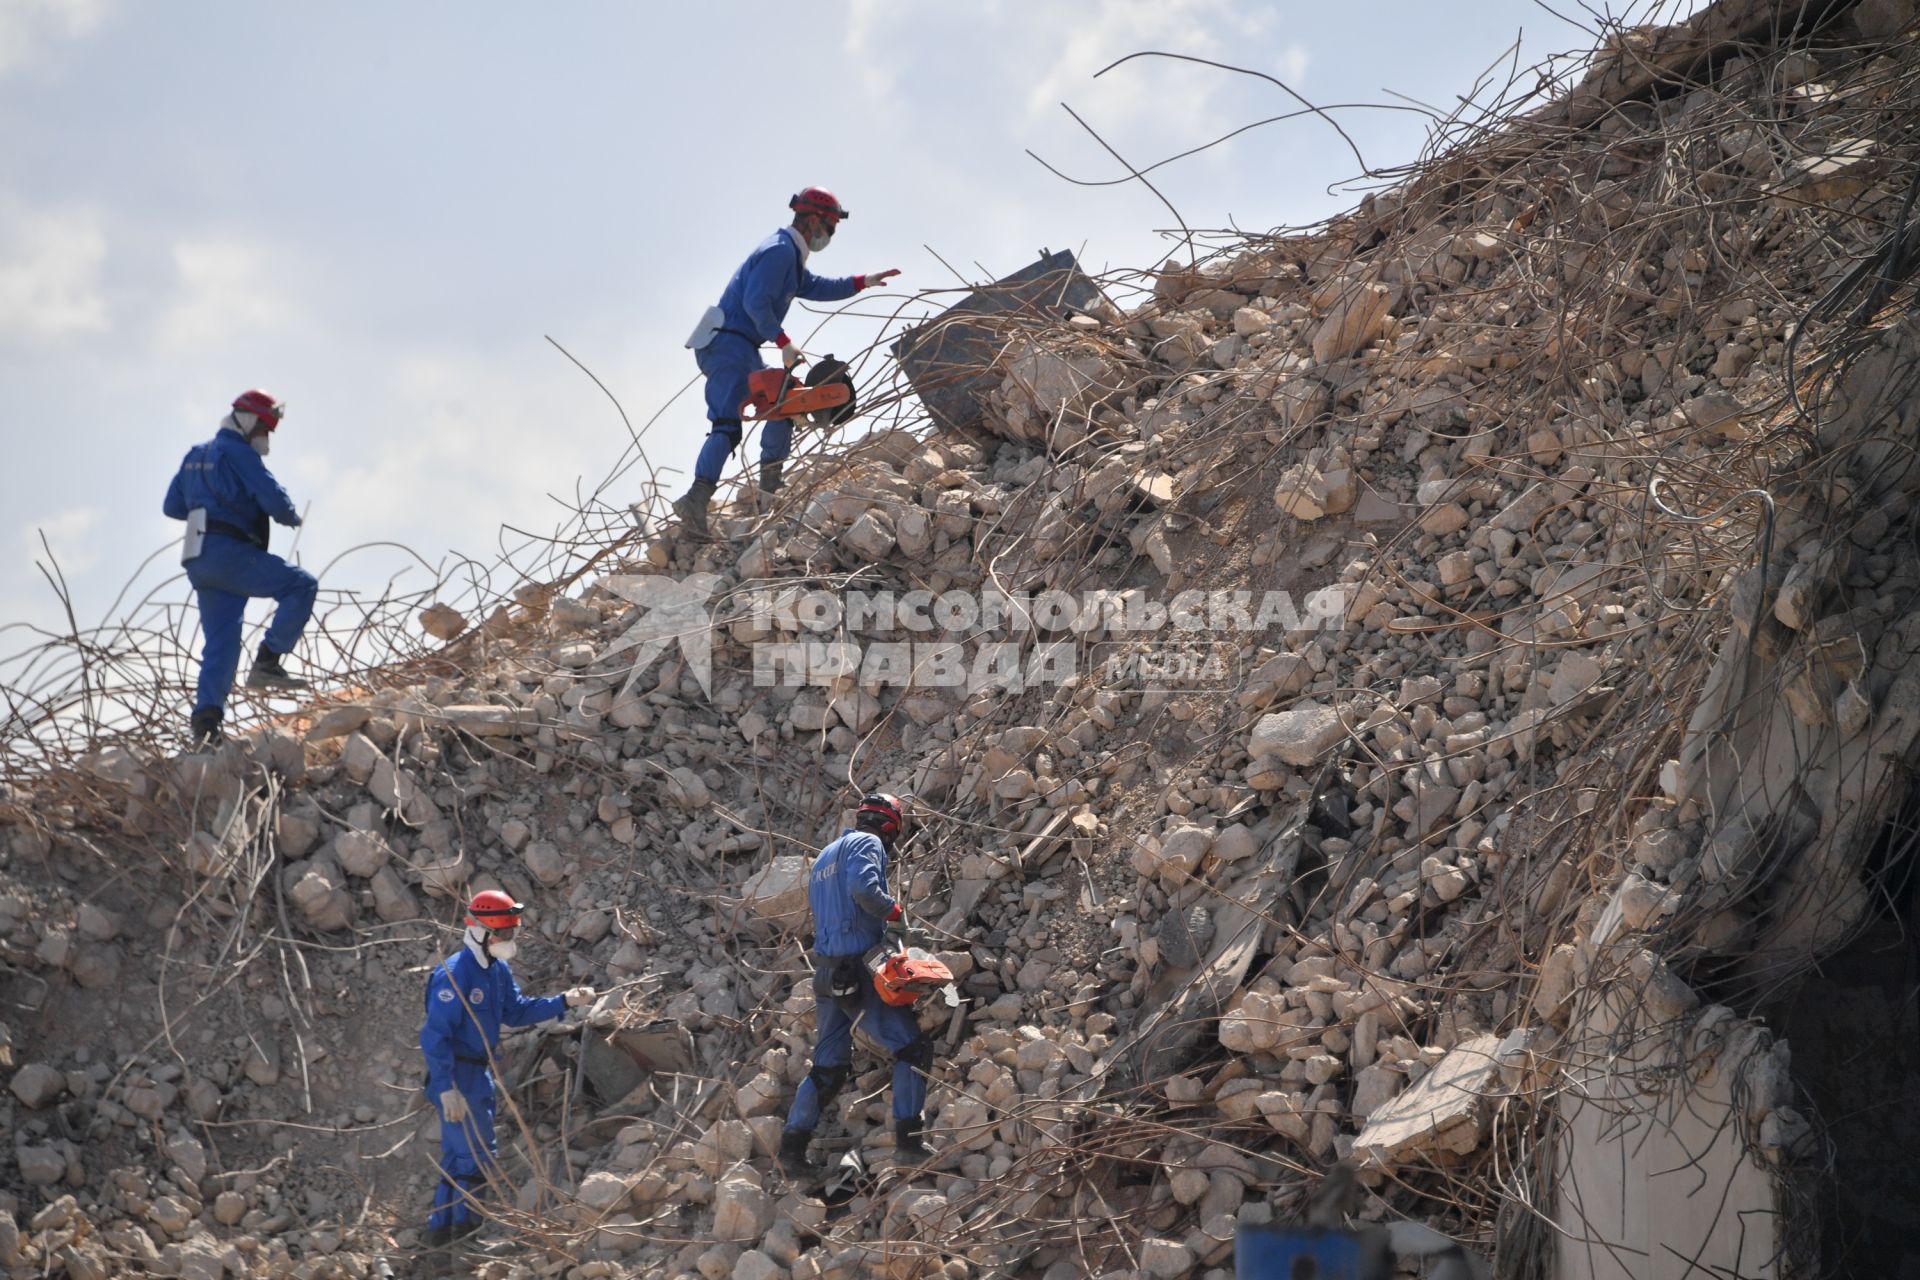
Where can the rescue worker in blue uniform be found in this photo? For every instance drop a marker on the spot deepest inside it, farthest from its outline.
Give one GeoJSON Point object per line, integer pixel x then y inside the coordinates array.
{"type": "Point", "coordinates": [853, 914]}
{"type": "Point", "coordinates": [227, 496]}
{"type": "Point", "coordinates": [751, 312]}
{"type": "Point", "coordinates": [470, 996]}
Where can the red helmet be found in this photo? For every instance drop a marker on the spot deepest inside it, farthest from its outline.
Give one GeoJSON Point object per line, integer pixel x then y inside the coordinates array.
{"type": "Point", "coordinates": [821, 201]}
{"type": "Point", "coordinates": [880, 813]}
{"type": "Point", "coordinates": [262, 406]}
{"type": "Point", "coordinates": [493, 909]}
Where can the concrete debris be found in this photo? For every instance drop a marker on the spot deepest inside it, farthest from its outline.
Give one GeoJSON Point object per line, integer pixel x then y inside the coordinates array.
{"type": "Point", "coordinates": [1447, 1110]}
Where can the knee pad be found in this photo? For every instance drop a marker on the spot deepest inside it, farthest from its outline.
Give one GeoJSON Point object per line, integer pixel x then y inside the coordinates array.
{"type": "Point", "coordinates": [917, 1053]}
{"type": "Point", "coordinates": [730, 429]}
{"type": "Point", "coordinates": [828, 1081]}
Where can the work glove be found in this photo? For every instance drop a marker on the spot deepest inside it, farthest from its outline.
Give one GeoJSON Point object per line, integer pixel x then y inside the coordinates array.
{"type": "Point", "coordinates": [878, 279]}
{"type": "Point", "coordinates": [453, 1106]}
{"type": "Point", "coordinates": [896, 931]}
{"type": "Point", "coordinates": [791, 355]}
{"type": "Point", "coordinates": [577, 996]}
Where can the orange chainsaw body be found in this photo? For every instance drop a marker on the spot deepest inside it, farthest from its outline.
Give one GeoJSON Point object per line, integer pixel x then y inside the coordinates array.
{"type": "Point", "coordinates": [906, 975]}
{"type": "Point", "coordinates": [773, 394]}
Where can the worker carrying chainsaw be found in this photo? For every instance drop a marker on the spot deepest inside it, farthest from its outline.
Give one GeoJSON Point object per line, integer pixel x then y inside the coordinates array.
{"type": "Point", "coordinates": [752, 312]}
{"type": "Point", "coordinates": [470, 996]}
{"type": "Point", "coordinates": [227, 496]}
{"type": "Point", "coordinates": [853, 915]}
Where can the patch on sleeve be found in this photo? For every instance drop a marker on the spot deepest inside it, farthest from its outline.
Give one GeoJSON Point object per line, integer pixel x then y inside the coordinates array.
{"type": "Point", "coordinates": [446, 995]}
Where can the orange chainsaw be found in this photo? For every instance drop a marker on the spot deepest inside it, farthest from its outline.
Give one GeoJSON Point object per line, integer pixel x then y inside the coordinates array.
{"type": "Point", "coordinates": [825, 399]}
{"type": "Point", "coordinates": [903, 977]}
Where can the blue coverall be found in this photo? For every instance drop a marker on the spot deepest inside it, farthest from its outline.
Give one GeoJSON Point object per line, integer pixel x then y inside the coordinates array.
{"type": "Point", "coordinates": [240, 495]}
{"type": "Point", "coordinates": [755, 309]}
{"type": "Point", "coordinates": [848, 891]}
{"type": "Point", "coordinates": [467, 1004]}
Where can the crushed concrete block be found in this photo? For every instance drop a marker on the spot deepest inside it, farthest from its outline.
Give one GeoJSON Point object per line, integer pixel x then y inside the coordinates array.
{"type": "Point", "coordinates": [442, 622]}
{"type": "Point", "coordinates": [38, 1084]}
{"type": "Point", "coordinates": [1300, 736]}
{"type": "Point", "coordinates": [1446, 1110]}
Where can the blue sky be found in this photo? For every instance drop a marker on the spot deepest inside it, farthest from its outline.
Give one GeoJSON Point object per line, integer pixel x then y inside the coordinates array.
{"type": "Point", "coordinates": [377, 211]}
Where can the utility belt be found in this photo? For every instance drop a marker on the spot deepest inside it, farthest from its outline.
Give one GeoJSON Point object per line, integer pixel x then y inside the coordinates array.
{"type": "Point", "coordinates": [848, 977]}
{"type": "Point", "coordinates": [234, 531]}
{"type": "Point", "coordinates": [471, 1061]}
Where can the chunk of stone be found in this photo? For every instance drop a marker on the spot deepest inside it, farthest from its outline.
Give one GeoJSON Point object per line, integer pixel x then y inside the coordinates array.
{"type": "Point", "coordinates": [1446, 1110]}
{"type": "Point", "coordinates": [393, 901]}
{"type": "Point", "coordinates": [870, 537]}
{"type": "Point", "coordinates": [1299, 736]}
{"type": "Point", "coordinates": [1353, 321]}
{"type": "Point", "coordinates": [41, 1166]}
{"type": "Point", "coordinates": [361, 853]}
{"type": "Point", "coordinates": [543, 860]}
{"type": "Point", "coordinates": [321, 895]}
{"type": "Point", "coordinates": [741, 1210]}
{"type": "Point", "coordinates": [1165, 1259]}
{"type": "Point", "coordinates": [778, 891]}
{"type": "Point", "coordinates": [37, 1084]}
{"type": "Point", "coordinates": [338, 722]}
{"type": "Point", "coordinates": [486, 721]}
{"type": "Point", "coordinates": [442, 622]}
{"type": "Point", "coordinates": [603, 1192]}
{"type": "Point", "coordinates": [687, 788]}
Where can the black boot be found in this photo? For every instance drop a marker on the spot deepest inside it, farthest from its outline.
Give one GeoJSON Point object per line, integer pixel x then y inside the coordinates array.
{"type": "Point", "coordinates": [770, 481]}
{"type": "Point", "coordinates": [204, 729]}
{"type": "Point", "coordinates": [908, 1146]}
{"type": "Point", "coordinates": [793, 1153]}
{"type": "Point", "coordinates": [437, 1238]}
{"type": "Point", "coordinates": [692, 509]}
{"type": "Point", "coordinates": [270, 673]}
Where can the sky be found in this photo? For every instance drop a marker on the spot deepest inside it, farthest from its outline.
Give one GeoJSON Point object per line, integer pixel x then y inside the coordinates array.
{"type": "Point", "coordinates": [381, 212]}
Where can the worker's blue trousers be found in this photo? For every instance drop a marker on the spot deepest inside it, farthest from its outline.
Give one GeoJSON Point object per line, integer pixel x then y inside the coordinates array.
{"type": "Point", "coordinates": [226, 574]}
{"type": "Point", "coordinates": [833, 1047]}
{"type": "Point", "coordinates": [727, 361]}
{"type": "Point", "coordinates": [466, 1151]}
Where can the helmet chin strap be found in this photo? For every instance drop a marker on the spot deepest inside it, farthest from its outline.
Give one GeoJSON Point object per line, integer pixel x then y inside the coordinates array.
{"type": "Point", "coordinates": [477, 943]}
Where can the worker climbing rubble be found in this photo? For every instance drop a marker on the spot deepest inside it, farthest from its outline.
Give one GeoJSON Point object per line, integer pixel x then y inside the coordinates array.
{"type": "Point", "coordinates": [752, 311]}
{"type": "Point", "coordinates": [470, 996]}
{"type": "Point", "coordinates": [852, 916]}
{"type": "Point", "coordinates": [227, 497]}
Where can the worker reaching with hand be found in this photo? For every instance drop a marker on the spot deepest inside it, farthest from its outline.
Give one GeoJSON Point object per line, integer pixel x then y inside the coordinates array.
{"type": "Point", "coordinates": [227, 496]}
{"type": "Point", "coordinates": [470, 996]}
{"type": "Point", "coordinates": [752, 312]}
{"type": "Point", "coordinates": [852, 915]}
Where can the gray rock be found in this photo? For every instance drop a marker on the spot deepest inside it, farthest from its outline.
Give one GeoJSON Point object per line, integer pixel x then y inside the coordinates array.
{"type": "Point", "coordinates": [1300, 736]}
{"type": "Point", "coordinates": [41, 1166]}
{"type": "Point", "coordinates": [361, 853]}
{"type": "Point", "coordinates": [543, 860]}
{"type": "Point", "coordinates": [37, 1084]}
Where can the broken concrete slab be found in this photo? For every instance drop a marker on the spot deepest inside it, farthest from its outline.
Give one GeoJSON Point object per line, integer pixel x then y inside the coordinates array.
{"type": "Point", "coordinates": [1445, 1111]}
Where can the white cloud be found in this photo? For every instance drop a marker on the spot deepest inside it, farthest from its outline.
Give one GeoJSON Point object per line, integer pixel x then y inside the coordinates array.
{"type": "Point", "coordinates": [70, 533]}
{"type": "Point", "coordinates": [1179, 98]}
{"type": "Point", "coordinates": [470, 444]}
{"type": "Point", "coordinates": [866, 59]}
{"type": "Point", "coordinates": [50, 268]}
{"type": "Point", "coordinates": [228, 288]}
{"type": "Point", "coordinates": [28, 27]}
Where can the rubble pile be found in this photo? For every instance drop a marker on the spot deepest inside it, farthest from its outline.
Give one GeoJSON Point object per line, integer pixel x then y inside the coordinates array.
{"type": "Point", "coordinates": [1587, 701]}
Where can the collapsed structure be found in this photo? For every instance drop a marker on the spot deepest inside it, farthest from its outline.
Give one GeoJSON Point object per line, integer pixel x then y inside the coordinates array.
{"type": "Point", "coordinates": [1498, 862]}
